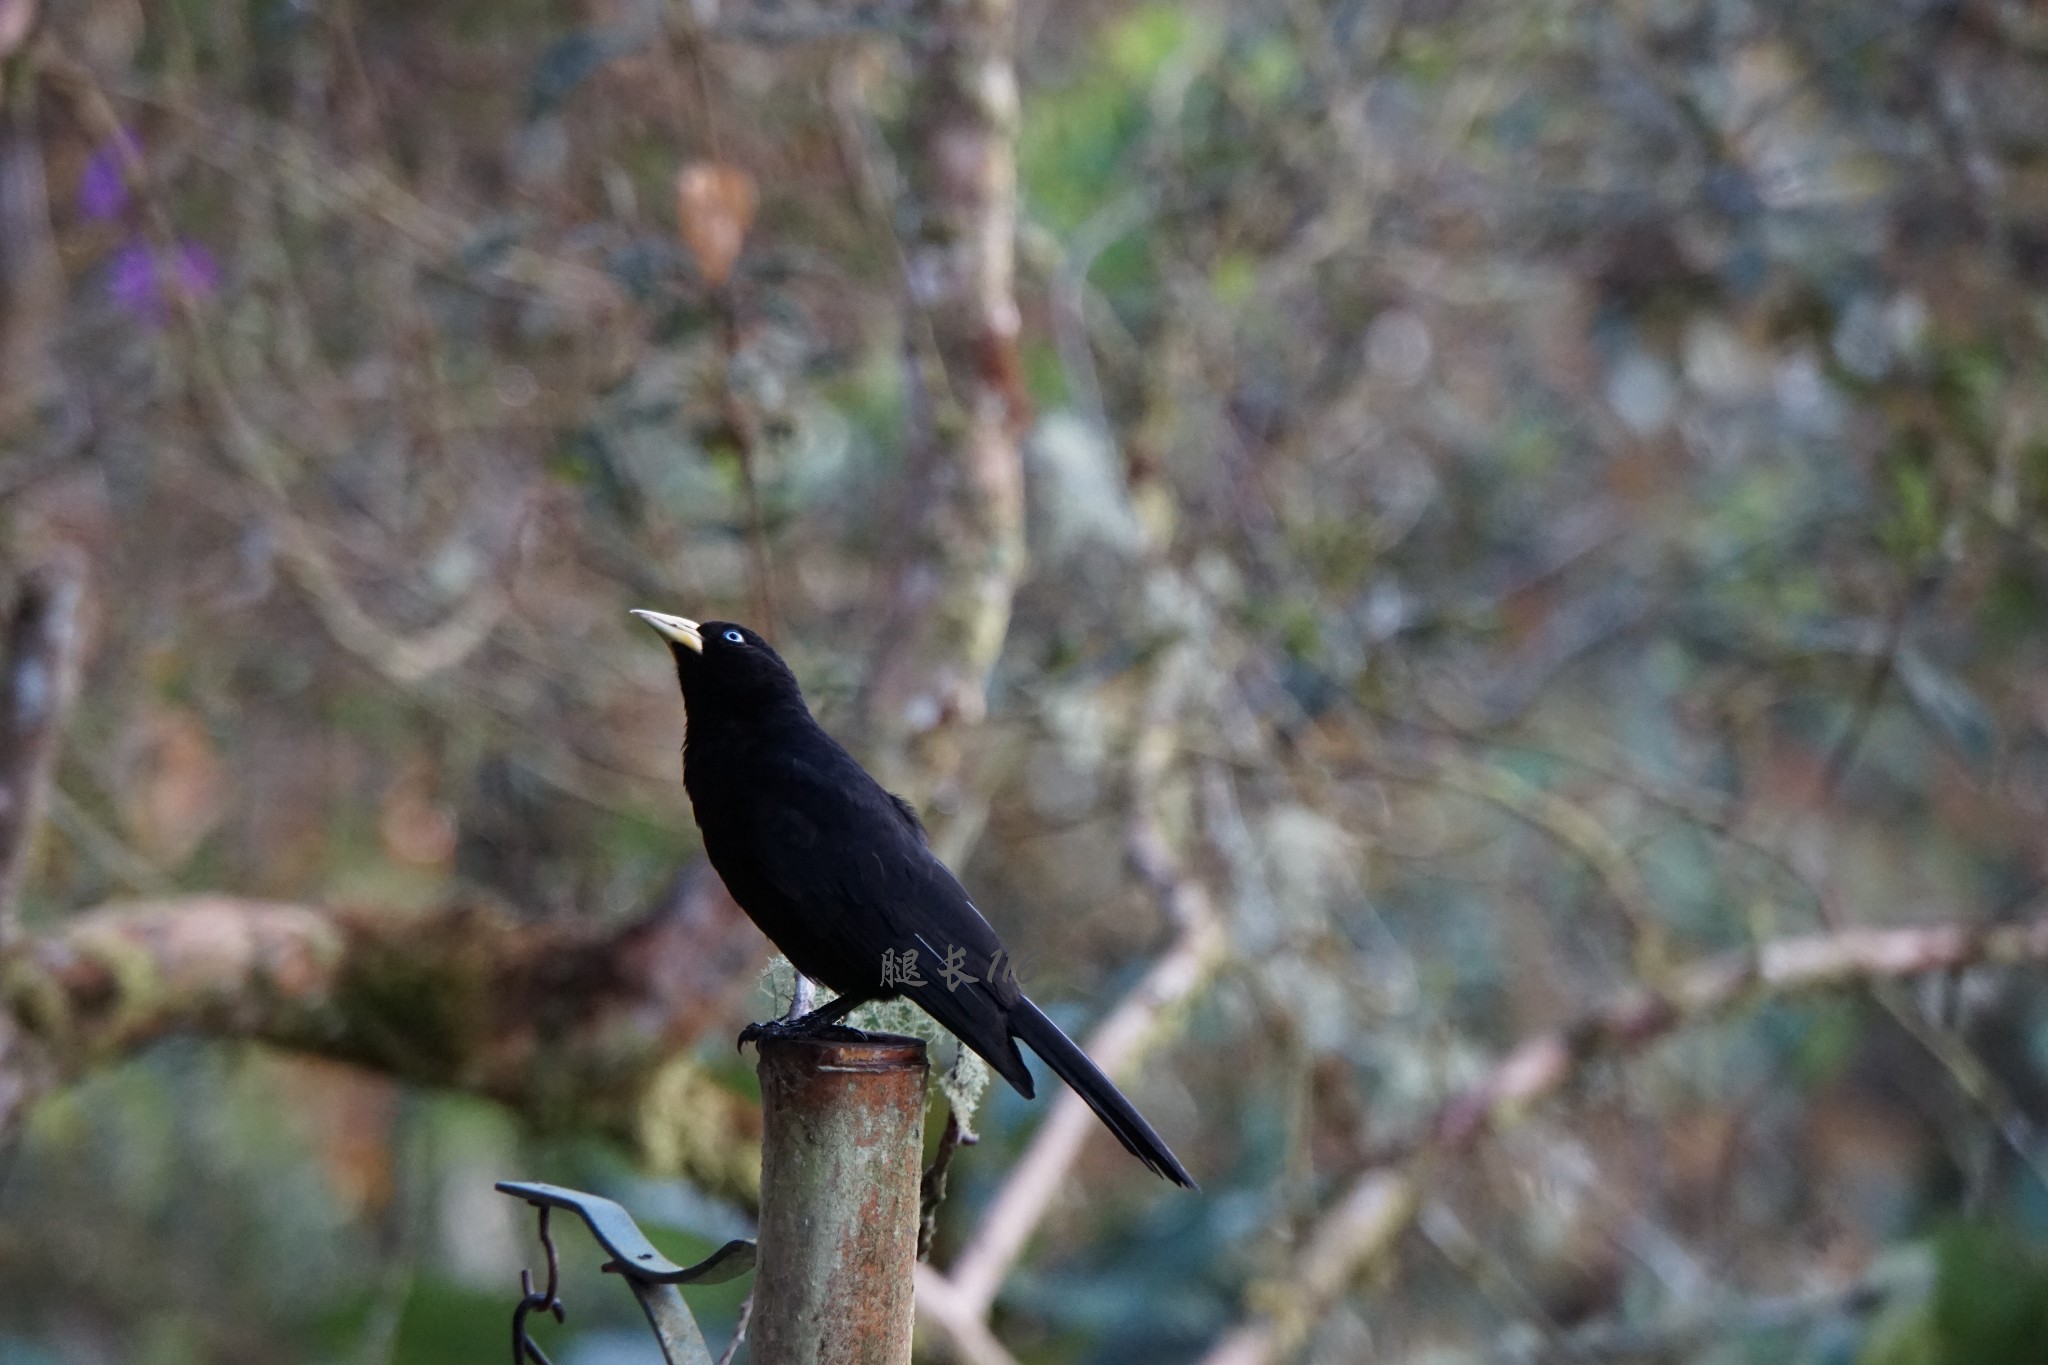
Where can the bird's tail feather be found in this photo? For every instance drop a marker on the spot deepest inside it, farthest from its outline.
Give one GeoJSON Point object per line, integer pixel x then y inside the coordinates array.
{"type": "Point", "coordinates": [1073, 1066]}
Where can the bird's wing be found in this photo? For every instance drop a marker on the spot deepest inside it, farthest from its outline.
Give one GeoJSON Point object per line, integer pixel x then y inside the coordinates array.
{"type": "Point", "coordinates": [842, 848]}
{"type": "Point", "coordinates": [909, 814]}
{"type": "Point", "coordinates": [948, 961]}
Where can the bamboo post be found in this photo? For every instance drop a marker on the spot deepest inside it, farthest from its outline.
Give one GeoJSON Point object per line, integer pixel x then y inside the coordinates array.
{"type": "Point", "coordinates": [841, 1147]}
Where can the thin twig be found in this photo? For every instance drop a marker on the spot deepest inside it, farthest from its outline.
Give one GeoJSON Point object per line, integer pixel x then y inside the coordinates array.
{"type": "Point", "coordinates": [739, 1330]}
{"type": "Point", "coordinates": [1573, 827]}
{"type": "Point", "coordinates": [743, 427]}
{"type": "Point", "coordinates": [1882, 670]}
{"type": "Point", "coordinates": [404, 658]}
{"type": "Point", "coordinates": [117, 858]}
{"type": "Point", "coordinates": [1381, 1203]}
{"type": "Point", "coordinates": [931, 1190]}
{"type": "Point", "coordinates": [366, 193]}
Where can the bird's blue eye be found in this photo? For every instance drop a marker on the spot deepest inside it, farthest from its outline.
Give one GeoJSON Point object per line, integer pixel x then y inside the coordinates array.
{"type": "Point", "coordinates": [735, 637]}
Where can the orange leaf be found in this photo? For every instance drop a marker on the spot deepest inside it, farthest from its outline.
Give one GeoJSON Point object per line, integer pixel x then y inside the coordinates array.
{"type": "Point", "coordinates": [714, 208]}
{"type": "Point", "coordinates": [412, 826]}
{"type": "Point", "coordinates": [176, 792]}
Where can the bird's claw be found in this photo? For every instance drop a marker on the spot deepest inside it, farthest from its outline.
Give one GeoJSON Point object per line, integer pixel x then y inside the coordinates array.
{"type": "Point", "coordinates": [774, 1029]}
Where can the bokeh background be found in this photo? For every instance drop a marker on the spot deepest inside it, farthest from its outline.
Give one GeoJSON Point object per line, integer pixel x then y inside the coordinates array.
{"type": "Point", "coordinates": [1477, 569]}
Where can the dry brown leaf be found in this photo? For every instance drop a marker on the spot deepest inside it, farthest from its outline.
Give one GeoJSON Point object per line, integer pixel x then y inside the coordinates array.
{"type": "Point", "coordinates": [413, 827]}
{"type": "Point", "coordinates": [715, 205]}
{"type": "Point", "coordinates": [175, 795]}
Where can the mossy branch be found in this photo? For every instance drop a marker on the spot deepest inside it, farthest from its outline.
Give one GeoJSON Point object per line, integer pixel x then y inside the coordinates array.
{"type": "Point", "coordinates": [571, 1024]}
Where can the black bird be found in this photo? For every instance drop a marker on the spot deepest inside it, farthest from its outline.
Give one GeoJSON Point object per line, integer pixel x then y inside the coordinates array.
{"type": "Point", "coordinates": [836, 872]}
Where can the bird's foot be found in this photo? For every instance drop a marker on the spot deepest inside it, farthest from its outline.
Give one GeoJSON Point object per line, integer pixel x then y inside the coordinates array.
{"type": "Point", "coordinates": [822, 1022]}
{"type": "Point", "coordinates": [777, 1029]}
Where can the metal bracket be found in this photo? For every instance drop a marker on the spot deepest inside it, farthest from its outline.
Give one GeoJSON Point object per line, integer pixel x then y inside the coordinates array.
{"type": "Point", "coordinates": [650, 1275]}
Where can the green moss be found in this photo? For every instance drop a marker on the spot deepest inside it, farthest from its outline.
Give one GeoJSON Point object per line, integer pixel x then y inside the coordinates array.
{"type": "Point", "coordinates": [685, 1127]}
{"type": "Point", "coordinates": [423, 1010]}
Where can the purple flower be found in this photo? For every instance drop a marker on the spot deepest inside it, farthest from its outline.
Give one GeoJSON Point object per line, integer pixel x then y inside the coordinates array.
{"type": "Point", "coordinates": [103, 185]}
{"type": "Point", "coordinates": [135, 285]}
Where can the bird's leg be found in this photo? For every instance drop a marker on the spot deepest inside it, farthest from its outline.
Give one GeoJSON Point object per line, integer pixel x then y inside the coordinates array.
{"type": "Point", "coordinates": [801, 995]}
{"type": "Point", "coordinates": [815, 1021]}
{"type": "Point", "coordinates": [826, 1015]}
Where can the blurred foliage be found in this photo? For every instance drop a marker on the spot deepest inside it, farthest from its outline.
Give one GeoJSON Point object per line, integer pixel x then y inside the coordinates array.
{"type": "Point", "coordinates": [1634, 412]}
{"type": "Point", "coordinates": [1989, 1304]}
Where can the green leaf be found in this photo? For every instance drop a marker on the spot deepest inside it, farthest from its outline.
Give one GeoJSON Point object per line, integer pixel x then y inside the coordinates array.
{"type": "Point", "coordinates": [1990, 1298]}
{"type": "Point", "coordinates": [1142, 41]}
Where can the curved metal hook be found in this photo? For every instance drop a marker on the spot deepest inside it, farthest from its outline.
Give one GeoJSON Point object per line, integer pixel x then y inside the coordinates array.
{"type": "Point", "coordinates": [525, 1350]}
{"type": "Point", "coordinates": [651, 1276]}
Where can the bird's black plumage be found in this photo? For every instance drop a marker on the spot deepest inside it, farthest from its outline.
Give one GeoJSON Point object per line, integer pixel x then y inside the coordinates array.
{"type": "Point", "coordinates": [835, 871]}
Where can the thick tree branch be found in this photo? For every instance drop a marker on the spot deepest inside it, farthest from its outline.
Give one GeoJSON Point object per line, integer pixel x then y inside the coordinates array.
{"type": "Point", "coordinates": [950, 590]}
{"type": "Point", "coordinates": [572, 1024]}
{"type": "Point", "coordinates": [44, 647]}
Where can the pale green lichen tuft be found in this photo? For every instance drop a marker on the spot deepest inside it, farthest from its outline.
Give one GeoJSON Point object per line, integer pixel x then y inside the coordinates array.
{"type": "Point", "coordinates": [962, 1083]}
{"type": "Point", "coordinates": [778, 980]}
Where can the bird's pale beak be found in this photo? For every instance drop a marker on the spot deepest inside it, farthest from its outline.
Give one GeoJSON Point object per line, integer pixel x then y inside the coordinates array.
{"type": "Point", "coordinates": [677, 629]}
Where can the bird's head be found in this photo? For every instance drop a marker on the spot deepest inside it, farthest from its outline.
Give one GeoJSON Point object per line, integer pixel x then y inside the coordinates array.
{"type": "Point", "coordinates": [724, 665]}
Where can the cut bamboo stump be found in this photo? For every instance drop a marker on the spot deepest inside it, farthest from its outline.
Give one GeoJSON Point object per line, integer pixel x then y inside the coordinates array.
{"type": "Point", "coordinates": [841, 1150]}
